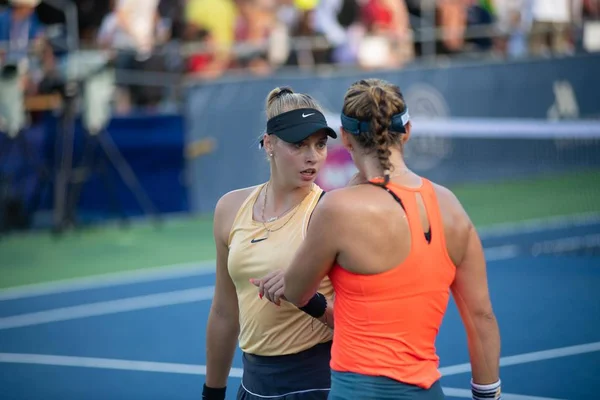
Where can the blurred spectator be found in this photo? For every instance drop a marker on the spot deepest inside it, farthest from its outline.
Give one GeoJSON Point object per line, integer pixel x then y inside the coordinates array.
{"type": "Point", "coordinates": [212, 22]}
{"type": "Point", "coordinates": [294, 39]}
{"type": "Point", "coordinates": [481, 13]}
{"type": "Point", "coordinates": [138, 20]}
{"type": "Point", "coordinates": [133, 30]}
{"type": "Point", "coordinates": [388, 41]}
{"type": "Point", "coordinates": [20, 32]}
{"type": "Point", "coordinates": [592, 9]}
{"type": "Point", "coordinates": [91, 13]}
{"type": "Point", "coordinates": [452, 20]}
{"type": "Point", "coordinates": [339, 22]}
{"type": "Point", "coordinates": [513, 25]}
{"type": "Point", "coordinates": [173, 11]}
{"type": "Point", "coordinates": [551, 30]}
{"type": "Point", "coordinates": [591, 25]}
{"type": "Point", "coordinates": [261, 35]}
{"type": "Point", "coordinates": [590, 40]}
{"type": "Point", "coordinates": [253, 29]}
{"type": "Point", "coordinates": [287, 24]}
{"type": "Point", "coordinates": [22, 41]}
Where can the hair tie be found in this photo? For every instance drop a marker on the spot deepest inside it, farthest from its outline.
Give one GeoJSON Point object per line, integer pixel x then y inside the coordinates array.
{"type": "Point", "coordinates": [283, 91]}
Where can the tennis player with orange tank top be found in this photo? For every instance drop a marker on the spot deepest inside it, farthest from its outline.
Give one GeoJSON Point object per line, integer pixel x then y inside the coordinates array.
{"type": "Point", "coordinates": [394, 248]}
{"type": "Point", "coordinates": [286, 353]}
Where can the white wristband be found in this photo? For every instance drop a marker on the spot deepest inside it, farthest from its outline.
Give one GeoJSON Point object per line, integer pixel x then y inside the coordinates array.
{"type": "Point", "coordinates": [491, 391]}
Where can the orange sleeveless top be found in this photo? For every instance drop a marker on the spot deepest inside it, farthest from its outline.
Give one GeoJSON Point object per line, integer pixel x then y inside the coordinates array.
{"type": "Point", "coordinates": [386, 324]}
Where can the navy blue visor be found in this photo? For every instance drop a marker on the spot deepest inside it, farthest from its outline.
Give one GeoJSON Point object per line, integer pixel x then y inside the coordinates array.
{"type": "Point", "coordinates": [297, 125]}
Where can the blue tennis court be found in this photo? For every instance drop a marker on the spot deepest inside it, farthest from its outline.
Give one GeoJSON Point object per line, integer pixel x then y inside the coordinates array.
{"type": "Point", "coordinates": [143, 337]}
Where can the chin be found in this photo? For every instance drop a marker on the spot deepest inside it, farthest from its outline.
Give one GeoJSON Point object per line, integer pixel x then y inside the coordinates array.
{"type": "Point", "coordinates": [304, 183]}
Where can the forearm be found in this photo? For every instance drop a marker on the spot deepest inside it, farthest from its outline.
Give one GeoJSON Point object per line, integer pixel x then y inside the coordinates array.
{"type": "Point", "coordinates": [484, 349]}
{"type": "Point", "coordinates": [221, 340]}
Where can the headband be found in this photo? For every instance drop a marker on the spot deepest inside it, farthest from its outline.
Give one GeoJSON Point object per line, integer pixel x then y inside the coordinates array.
{"type": "Point", "coordinates": [356, 127]}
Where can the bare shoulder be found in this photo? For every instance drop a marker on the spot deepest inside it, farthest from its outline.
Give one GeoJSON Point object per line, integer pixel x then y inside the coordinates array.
{"type": "Point", "coordinates": [233, 200]}
{"type": "Point", "coordinates": [346, 206]}
{"type": "Point", "coordinates": [330, 202]}
{"type": "Point", "coordinates": [457, 224]}
{"type": "Point", "coordinates": [449, 203]}
{"type": "Point", "coordinates": [227, 208]}
{"type": "Point", "coordinates": [334, 206]}
{"type": "Point", "coordinates": [340, 199]}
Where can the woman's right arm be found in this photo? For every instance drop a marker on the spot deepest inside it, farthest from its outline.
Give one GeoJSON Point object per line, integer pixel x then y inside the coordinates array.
{"type": "Point", "coordinates": [471, 294]}
{"type": "Point", "coordinates": [223, 320]}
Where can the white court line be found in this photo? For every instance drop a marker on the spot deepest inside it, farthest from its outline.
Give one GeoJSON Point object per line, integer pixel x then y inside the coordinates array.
{"type": "Point", "coordinates": [109, 280]}
{"type": "Point", "coordinates": [540, 224]}
{"type": "Point", "coordinates": [108, 307]}
{"type": "Point", "coordinates": [466, 394]}
{"type": "Point", "coordinates": [172, 368]}
{"type": "Point", "coordinates": [148, 301]}
{"type": "Point", "coordinates": [142, 302]}
{"type": "Point", "coordinates": [501, 252]}
{"type": "Point", "coordinates": [207, 267]}
{"type": "Point", "coordinates": [109, 363]}
{"type": "Point", "coordinates": [528, 357]}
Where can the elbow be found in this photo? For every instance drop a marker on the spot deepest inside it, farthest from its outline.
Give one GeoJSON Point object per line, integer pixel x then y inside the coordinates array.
{"type": "Point", "coordinates": [222, 326]}
{"type": "Point", "coordinates": [224, 315]}
{"type": "Point", "coordinates": [485, 314]}
{"type": "Point", "coordinates": [478, 320]}
{"type": "Point", "coordinates": [485, 323]}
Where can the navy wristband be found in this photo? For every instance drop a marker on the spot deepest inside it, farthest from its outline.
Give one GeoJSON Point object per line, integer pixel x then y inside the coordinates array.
{"type": "Point", "coordinates": [316, 306]}
{"type": "Point", "coordinates": [209, 393]}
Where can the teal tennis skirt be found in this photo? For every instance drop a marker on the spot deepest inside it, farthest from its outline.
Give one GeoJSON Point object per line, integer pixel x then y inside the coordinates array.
{"type": "Point", "coordinates": [348, 385]}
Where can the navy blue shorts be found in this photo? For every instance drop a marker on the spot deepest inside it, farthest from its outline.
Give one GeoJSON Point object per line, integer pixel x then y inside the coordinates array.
{"type": "Point", "coordinates": [302, 376]}
{"type": "Point", "coordinates": [348, 385]}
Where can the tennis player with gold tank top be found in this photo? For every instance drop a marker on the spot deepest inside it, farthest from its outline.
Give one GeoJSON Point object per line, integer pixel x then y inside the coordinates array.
{"type": "Point", "coordinates": [286, 351]}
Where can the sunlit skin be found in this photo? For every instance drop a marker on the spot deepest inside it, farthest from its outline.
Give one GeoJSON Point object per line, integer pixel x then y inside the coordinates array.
{"type": "Point", "coordinates": [294, 166]}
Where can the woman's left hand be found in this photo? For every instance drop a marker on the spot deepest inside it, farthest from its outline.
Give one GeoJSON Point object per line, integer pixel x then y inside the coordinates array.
{"type": "Point", "coordinates": [271, 286]}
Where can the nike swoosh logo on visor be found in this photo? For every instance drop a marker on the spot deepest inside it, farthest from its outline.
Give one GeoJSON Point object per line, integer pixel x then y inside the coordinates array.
{"type": "Point", "coordinates": [307, 115]}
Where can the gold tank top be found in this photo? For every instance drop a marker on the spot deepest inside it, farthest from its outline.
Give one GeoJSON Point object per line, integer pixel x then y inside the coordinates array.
{"type": "Point", "coordinates": [265, 328]}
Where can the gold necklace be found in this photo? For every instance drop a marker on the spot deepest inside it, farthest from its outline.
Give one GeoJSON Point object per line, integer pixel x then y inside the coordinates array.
{"type": "Point", "coordinates": [273, 219]}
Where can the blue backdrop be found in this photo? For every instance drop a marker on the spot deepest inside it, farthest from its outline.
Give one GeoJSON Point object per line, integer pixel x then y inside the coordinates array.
{"type": "Point", "coordinates": [232, 112]}
{"type": "Point", "coordinates": [151, 144]}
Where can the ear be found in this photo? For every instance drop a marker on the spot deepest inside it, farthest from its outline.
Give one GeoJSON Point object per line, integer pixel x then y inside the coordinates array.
{"type": "Point", "coordinates": [268, 143]}
{"type": "Point", "coordinates": [346, 140]}
{"type": "Point", "coordinates": [406, 135]}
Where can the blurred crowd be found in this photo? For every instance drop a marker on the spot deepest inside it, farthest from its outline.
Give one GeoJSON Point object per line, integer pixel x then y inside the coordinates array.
{"type": "Point", "coordinates": [208, 38]}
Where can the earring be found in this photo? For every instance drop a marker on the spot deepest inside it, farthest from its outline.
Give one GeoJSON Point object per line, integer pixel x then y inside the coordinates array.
{"type": "Point", "coordinates": [270, 154]}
